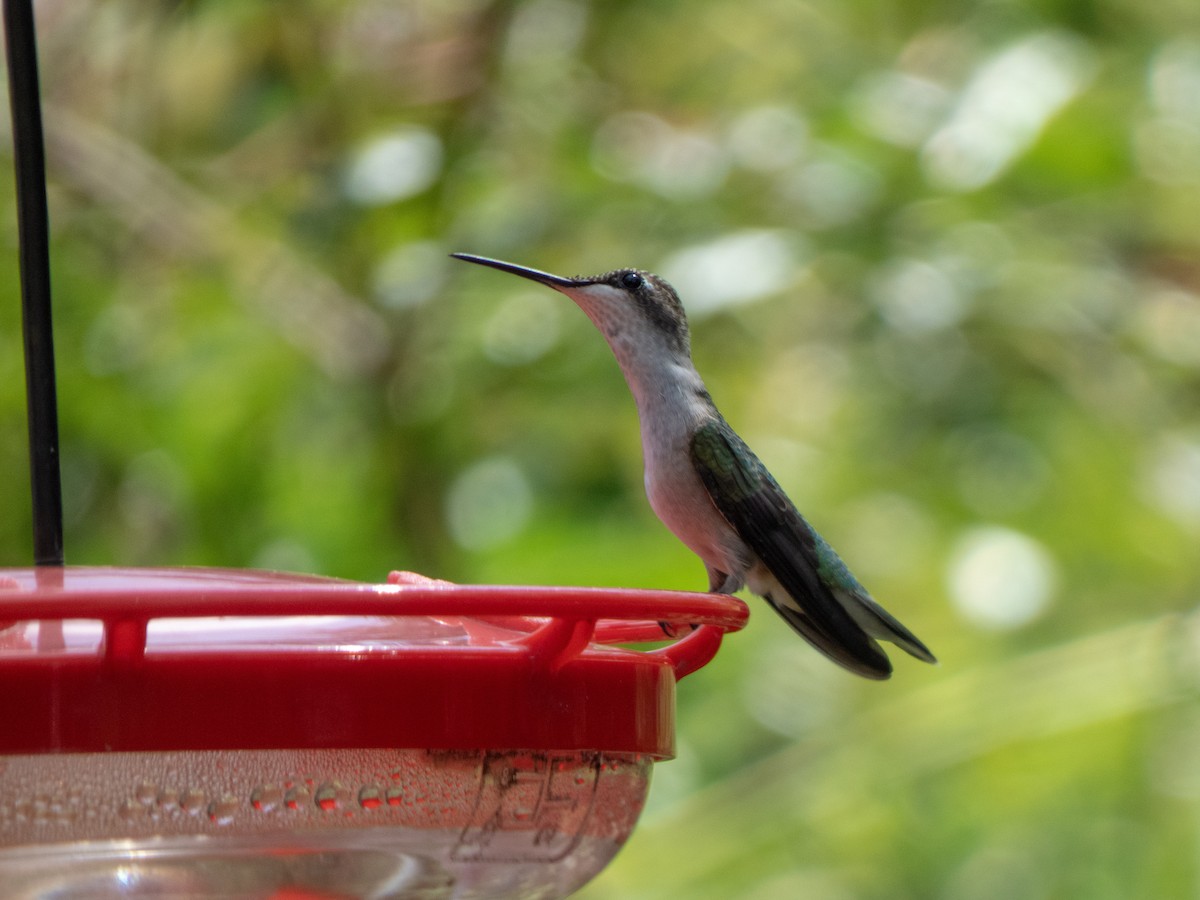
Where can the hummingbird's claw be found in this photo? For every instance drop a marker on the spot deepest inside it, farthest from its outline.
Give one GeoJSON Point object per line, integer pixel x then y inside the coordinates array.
{"type": "Point", "coordinates": [674, 631]}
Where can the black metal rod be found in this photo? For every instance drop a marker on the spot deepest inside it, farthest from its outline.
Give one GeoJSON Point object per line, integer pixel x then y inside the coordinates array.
{"type": "Point", "coordinates": [33, 233]}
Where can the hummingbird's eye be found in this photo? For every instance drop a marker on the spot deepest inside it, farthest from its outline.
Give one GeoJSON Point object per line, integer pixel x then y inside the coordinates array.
{"type": "Point", "coordinates": [631, 280]}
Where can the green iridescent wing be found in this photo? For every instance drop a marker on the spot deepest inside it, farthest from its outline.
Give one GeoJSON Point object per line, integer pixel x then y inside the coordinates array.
{"type": "Point", "coordinates": [804, 564]}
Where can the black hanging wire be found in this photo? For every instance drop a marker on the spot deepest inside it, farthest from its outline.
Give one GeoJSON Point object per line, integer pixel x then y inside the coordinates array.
{"type": "Point", "coordinates": [33, 234]}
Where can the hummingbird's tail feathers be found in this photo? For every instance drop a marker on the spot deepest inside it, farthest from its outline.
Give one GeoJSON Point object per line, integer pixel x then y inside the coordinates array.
{"type": "Point", "coordinates": [862, 657]}
{"type": "Point", "coordinates": [882, 625]}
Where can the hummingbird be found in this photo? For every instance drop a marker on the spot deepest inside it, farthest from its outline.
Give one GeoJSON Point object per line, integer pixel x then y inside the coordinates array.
{"type": "Point", "coordinates": [708, 487]}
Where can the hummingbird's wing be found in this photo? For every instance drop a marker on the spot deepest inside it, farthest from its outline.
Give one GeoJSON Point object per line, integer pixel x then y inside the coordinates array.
{"type": "Point", "coordinates": [826, 604]}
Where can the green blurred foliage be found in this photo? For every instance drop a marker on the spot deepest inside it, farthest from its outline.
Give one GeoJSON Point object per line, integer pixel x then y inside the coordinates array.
{"type": "Point", "coordinates": [942, 262]}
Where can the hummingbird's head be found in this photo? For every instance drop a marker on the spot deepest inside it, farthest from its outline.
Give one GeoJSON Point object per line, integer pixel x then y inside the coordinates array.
{"type": "Point", "coordinates": [635, 310]}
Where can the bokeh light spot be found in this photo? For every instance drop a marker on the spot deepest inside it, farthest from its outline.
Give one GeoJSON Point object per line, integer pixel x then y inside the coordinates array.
{"type": "Point", "coordinates": [410, 275]}
{"type": "Point", "coordinates": [1171, 477]}
{"type": "Point", "coordinates": [1004, 107]}
{"type": "Point", "coordinates": [644, 149]}
{"type": "Point", "coordinates": [768, 138]}
{"type": "Point", "coordinates": [522, 328]}
{"type": "Point", "coordinates": [1000, 579]}
{"type": "Point", "coordinates": [914, 296]}
{"type": "Point", "coordinates": [489, 503]}
{"type": "Point", "coordinates": [733, 269]}
{"type": "Point", "coordinates": [394, 167]}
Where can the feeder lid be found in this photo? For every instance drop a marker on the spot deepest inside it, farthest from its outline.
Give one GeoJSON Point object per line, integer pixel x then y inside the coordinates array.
{"type": "Point", "coordinates": [124, 659]}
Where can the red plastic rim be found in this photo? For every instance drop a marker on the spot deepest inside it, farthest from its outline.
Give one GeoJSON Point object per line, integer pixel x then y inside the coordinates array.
{"type": "Point", "coordinates": [471, 666]}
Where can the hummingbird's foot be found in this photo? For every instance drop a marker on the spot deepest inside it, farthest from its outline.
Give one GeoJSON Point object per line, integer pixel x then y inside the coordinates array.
{"type": "Point", "coordinates": [677, 631]}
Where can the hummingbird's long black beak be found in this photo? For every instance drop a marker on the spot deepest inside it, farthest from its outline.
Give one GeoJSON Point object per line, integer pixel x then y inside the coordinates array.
{"type": "Point", "coordinates": [546, 278]}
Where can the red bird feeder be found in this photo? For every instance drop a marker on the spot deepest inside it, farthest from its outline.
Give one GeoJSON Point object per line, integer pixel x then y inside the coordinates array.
{"type": "Point", "coordinates": [228, 733]}
{"type": "Point", "coordinates": [209, 732]}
